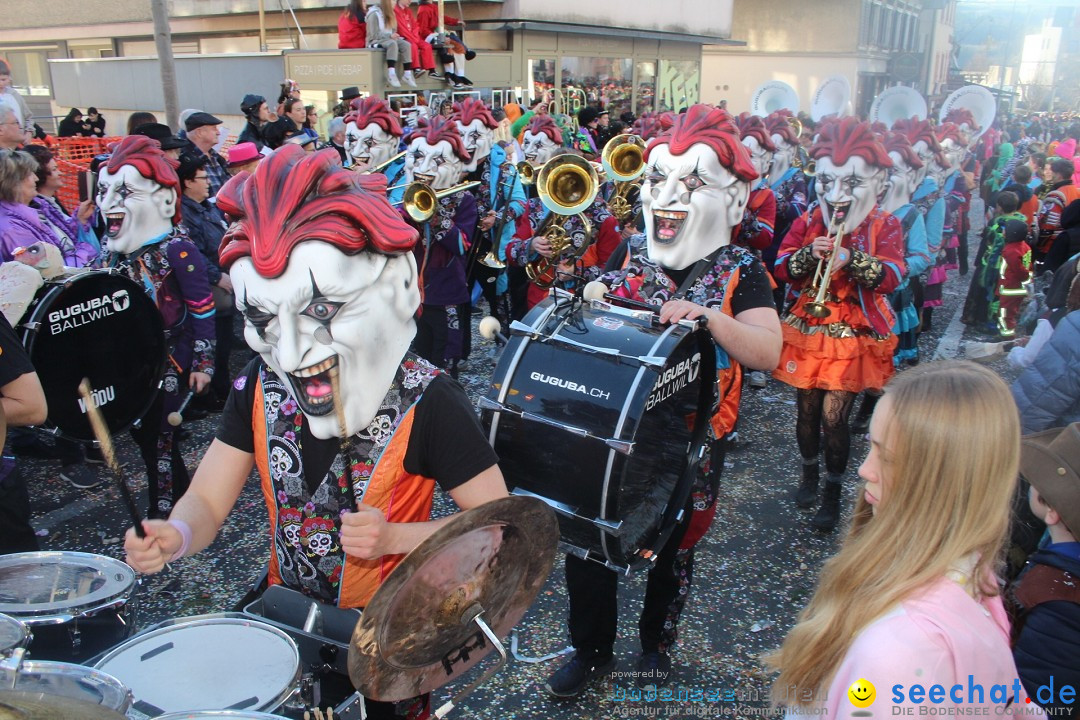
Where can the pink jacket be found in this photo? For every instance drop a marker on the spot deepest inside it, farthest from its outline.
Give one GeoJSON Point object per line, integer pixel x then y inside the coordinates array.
{"type": "Point", "coordinates": [939, 637]}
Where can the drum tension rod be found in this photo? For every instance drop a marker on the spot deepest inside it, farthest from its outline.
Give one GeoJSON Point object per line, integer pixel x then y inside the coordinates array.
{"type": "Point", "coordinates": [624, 447]}
{"type": "Point", "coordinates": [572, 512]}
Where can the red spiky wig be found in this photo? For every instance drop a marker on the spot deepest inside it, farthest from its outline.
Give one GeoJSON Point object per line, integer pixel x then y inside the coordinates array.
{"type": "Point", "coordinates": [918, 130]}
{"type": "Point", "coordinates": [962, 116]}
{"type": "Point", "coordinates": [295, 196]}
{"type": "Point", "coordinates": [949, 131]}
{"type": "Point", "coordinates": [470, 109]}
{"type": "Point", "coordinates": [545, 124]}
{"type": "Point", "coordinates": [437, 129]}
{"type": "Point", "coordinates": [777, 124]}
{"type": "Point", "coordinates": [849, 137]}
{"type": "Point", "coordinates": [145, 155]}
{"type": "Point", "coordinates": [897, 142]}
{"type": "Point", "coordinates": [364, 111]}
{"type": "Point", "coordinates": [713, 127]}
{"type": "Point", "coordinates": [753, 126]}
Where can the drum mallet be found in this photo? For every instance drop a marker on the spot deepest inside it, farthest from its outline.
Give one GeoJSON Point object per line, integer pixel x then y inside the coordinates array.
{"type": "Point", "coordinates": [491, 329]}
{"type": "Point", "coordinates": [594, 290]}
{"type": "Point", "coordinates": [177, 417]}
{"type": "Point", "coordinates": [101, 432]}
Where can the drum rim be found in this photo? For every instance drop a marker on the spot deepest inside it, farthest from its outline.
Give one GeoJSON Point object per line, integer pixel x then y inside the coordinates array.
{"type": "Point", "coordinates": [237, 714]}
{"type": "Point", "coordinates": [58, 614]}
{"type": "Point", "coordinates": [81, 672]}
{"type": "Point", "coordinates": [30, 334]}
{"type": "Point", "coordinates": [177, 624]}
{"type": "Point", "coordinates": [21, 628]}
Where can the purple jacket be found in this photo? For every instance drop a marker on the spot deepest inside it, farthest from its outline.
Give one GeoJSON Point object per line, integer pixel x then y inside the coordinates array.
{"type": "Point", "coordinates": [21, 226]}
{"type": "Point", "coordinates": [83, 253]}
{"type": "Point", "coordinates": [445, 239]}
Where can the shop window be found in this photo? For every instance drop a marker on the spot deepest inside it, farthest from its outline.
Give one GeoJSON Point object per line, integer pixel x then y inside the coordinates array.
{"type": "Point", "coordinates": [542, 76]}
{"type": "Point", "coordinates": [606, 82]}
{"type": "Point", "coordinates": [679, 84]}
{"type": "Point", "coordinates": [646, 88]}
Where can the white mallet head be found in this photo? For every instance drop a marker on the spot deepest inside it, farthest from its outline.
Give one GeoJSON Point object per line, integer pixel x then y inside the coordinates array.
{"type": "Point", "coordinates": [595, 290]}
{"type": "Point", "coordinates": [490, 327]}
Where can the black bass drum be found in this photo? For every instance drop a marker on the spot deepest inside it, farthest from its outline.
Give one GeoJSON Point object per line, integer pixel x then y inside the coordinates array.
{"type": "Point", "coordinates": [102, 326]}
{"type": "Point", "coordinates": [601, 413]}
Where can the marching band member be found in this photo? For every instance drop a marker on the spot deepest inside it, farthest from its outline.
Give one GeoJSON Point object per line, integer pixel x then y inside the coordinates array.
{"type": "Point", "coordinates": [500, 193]}
{"type": "Point", "coordinates": [696, 186]}
{"type": "Point", "coordinates": [968, 164]}
{"type": "Point", "coordinates": [542, 142]}
{"type": "Point", "coordinates": [759, 220]}
{"type": "Point", "coordinates": [830, 359]}
{"type": "Point", "coordinates": [327, 283]}
{"type": "Point", "coordinates": [139, 197]}
{"type": "Point", "coordinates": [788, 185]}
{"type": "Point", "coordinates": [437, 158]}
{"type": "Point", "coordinates": [951, 184]}
{"type": "Point", "coordinates": [372, 135]}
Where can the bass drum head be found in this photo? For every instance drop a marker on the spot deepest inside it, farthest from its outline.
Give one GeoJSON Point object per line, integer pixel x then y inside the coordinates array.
{"type": "Point", "coordinates": [101, 326]}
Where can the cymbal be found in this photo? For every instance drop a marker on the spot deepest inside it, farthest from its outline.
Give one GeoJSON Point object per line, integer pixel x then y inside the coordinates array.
{"type": "Point", "coordinates": [417, 633]}
{"type": "Point", "coordinates": [16, 705]}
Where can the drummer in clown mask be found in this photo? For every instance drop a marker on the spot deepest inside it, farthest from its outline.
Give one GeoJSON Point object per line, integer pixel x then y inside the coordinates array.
{"type": "Point", "coordinates": [328, 285]}
{"type": "Point", "coordinates": [697, 180]}
{"type": "Point", "coordinates": [138, 195]}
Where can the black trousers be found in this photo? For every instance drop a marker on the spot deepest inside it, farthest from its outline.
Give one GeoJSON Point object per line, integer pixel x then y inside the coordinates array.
{"type": "Point", "coordinates": [16, 533]}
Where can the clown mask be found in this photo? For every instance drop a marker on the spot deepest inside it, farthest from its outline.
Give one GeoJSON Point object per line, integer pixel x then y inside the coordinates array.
{"type": "Point", "coordinates": [761, 158]}
{"type": "Point", "coordinates": [369, 145]}
{"type": "Point", "coordinates": [855, 184]}
{"type": "Point", "coordinates": [539, 148]}
{"type": "Point", "coordinates": [900, 185]}
{"type": "Point", "coordinates": [955, 153]}
{"type": "Point", "coordinates": [136, 209]}
{"type": "Point", "coordinates": [435, 165]}
{"type": "Point", "coordinates": [784, 157]}
{"type": "Point", "coordinates": [922, 149]}
{"type": "Point", "coordinates": [478, 139]}
{"type": "Point", "coordinates": [691, 203]}
{"type": "Point", "coordinates": [331, 312]}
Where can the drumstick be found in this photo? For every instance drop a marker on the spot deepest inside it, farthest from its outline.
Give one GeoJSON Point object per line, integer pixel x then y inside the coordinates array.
{"type": "Point", "coordinates": [346, 443]}
{"type": "Point", "coordinates": [177, 417]}
{"type": "Point", "coordinates": [101, 432]}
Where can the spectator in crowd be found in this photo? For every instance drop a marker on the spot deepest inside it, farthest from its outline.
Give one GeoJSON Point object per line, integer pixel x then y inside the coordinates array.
{"type": "Point", "coordinates": [204, 132]}
{"type": "Point", "coordinates": [243, 157]}
{"type": "Point", "coordinates": [336, 139]}
{"type": "Point", "coordinates": [22, 403]}
{"type": "Point", "coordinates": [289, 89]}
{"type": "Point", "coordinates": [72, 231]}
{"type": "Point", "coordinates": [382, 32]}
{"type": "Point", "coordinates": [1019, 185]}
{"type": "Point", "coordinates": [205, 226]}
{"type": "Point", "coordinates": [96, 122]}
{"type": "Point", "coordinates": [72, 124]}
{"type": "Point", "coordinates": [1045, 598]}
{"type": "Point", "coordinates": [311, 120]}
{"type": "Point", "coordinates": [450, 49]}
{"type": "Point", "coordinates": [11, 136]}
{"type": "Point", "coordinates": [1067, 243]}
{"type": "Point", "coordinates": [585, 139]}
{"type": "Point", "coordinates": [11, 98]}
{"type": "Point", "coordinates": [137, 119]}
{"type": "Point", "coordinates": [352, 30]}
{"type": "Point", "coordinates": [423, 57]}
{"type": "Point", "coordinates": [944, 452]}
{"type": "Point", "coordinates": [293, 108]}
{"type": "Point", "coordinates": [1048, 391]}
{"type": "Point", "coordinates": [347, 96]}
{"type": "Point", "coordinates": [605, 129]}
{"type": "Point", "coordinates": [274, 134]}
{"type": "Point", "coordinates": [1062, 193]}
{"type": "Point", "coordinates": [20, 224]}
{"type": "Point", "coordinates": [258, 115]}
{"type": "Point", "coordinates": [170, 144]}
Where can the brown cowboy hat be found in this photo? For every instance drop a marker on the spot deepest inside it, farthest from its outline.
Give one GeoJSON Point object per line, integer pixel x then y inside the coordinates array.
{"type": "Point", "coordinates": [1050, 461]}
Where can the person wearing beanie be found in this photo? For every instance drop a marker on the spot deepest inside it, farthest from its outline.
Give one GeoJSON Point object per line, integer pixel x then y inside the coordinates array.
{"type": "Point", "coordinates": [585, 137]}
{"type": "Point", "coordinates": [258, 115]}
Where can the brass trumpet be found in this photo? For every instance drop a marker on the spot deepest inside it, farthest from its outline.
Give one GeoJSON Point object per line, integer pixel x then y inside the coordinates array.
{"type": "Point", "coordinates": [823, 277]}
{"type": "Point", "coordinates": [383, 165]}
{"type": "Point", "coordinates": [623, 161]}
{"type": "Point", "coordinates": [420, 200]}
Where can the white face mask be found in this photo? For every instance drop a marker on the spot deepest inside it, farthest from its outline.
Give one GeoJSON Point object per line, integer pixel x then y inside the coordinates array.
{"type": "Point", "coordinates": [927, 156]}
{"type": "Point", "coordinates": [330, 309]}
{"type": "Point", "coordinates": [855, 183]}
{"type": "Point", "coordinates": [691, 203]}
{"type": "Point", "coordinates": [783, 158]}
{"type": "Point", "coordinates": [539, 148]}
{"type": "Point", "coordinates": [954, 153]}
{"type": "Point", "coordinates": [136, 209]}
{"type": "Point", "coordinates": [437, 165]}
{"type": "Point", "coordinates": [900, 185]}
{"type": "Point", "coordinates": [369, 145]}
{"type": "Point", "coordinates": [760, 157]}
{"type": "Point", "coordinates": [478, 139]}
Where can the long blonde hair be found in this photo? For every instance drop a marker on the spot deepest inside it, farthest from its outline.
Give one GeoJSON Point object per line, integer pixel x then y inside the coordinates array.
{"type": "Point", "coordinates": [387, 7]}
{"type": "Point", "coordinates": [954, 443]}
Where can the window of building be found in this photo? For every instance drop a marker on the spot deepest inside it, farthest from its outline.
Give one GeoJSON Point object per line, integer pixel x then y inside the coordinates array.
{"type": "Point", "coordinates": [542, 74]}
{"type": "Point", "coordinates": [607, 82]}
{"type": "Point", "coordinates": [679, 84]}
{"type": "Point", "coordinates": [646, 87]}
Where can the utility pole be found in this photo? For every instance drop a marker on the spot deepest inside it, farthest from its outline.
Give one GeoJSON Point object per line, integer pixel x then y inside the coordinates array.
{"type": "Point", "coordinates": [163, 41]}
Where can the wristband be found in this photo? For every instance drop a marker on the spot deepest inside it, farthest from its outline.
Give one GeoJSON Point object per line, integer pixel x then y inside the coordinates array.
{"type": "Point", "coordinates": [185, 532]}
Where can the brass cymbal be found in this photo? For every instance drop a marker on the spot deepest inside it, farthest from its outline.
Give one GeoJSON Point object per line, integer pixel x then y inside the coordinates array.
{"type": "Point", "coordinates": [417, 633]}
{"type": "Point", "coordinates": [16, 705]}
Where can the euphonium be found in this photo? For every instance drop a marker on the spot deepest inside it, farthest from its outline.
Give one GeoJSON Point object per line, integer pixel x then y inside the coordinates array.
{"type": "Point", "coordinates": [526, 172]}
{"type": "Point", "coordinates": [420, 201]}
{"type": "Point", "coordinates": [623, 161]}
{"type": "Point", "coordinates": [823, 274]}
{"type": "Point", "coordinates": [567, 185]}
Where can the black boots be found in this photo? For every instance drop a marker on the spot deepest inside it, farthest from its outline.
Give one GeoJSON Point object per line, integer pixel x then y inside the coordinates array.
{"type": "Point", "coordinates": [829, 513]}
{"type": "Point", "coordinates": [806, 495]}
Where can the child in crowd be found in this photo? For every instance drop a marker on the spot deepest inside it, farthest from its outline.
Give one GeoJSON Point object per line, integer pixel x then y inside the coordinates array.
{"type": "Point", "coordinates": [352, 30]}
{"type": "Point", "coordinates": [382, 32]}
{"type": "Point", "coordinates": [981, 307]}
{"type": "Point", "coordinates": [450, 48]}
{"type": "Point", "coordinates": [915, 574]}
{"type": "Point", "coordinates": [1014, 277]}
{"type": "Point", "coordinates": [423, 57]}
{"type": "Point", "coordinates": [1045, 598]}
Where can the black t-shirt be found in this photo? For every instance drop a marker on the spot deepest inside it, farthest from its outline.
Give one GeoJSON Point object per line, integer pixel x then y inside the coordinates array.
{"type": "Point", "coordinates": [14, 363]}
{"type": "Point", "coordinates": [446, 443]}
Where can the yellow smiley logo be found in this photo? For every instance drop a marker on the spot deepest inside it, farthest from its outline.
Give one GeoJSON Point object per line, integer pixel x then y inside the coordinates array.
{"type": "Point", "coordinates": [861, 693]}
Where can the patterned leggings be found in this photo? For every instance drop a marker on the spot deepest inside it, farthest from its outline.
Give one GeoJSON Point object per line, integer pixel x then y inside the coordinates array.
{"type": "Point", "coordinates": [825, 411]}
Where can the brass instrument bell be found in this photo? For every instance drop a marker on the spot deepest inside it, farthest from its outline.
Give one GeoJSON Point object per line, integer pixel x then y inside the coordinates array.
{"type": "Point", "coordinates": [420, 200]}
{"type": "Point", "coordinates": [623, 161]}
{"type": "Point", "coordinates": [567, 184]}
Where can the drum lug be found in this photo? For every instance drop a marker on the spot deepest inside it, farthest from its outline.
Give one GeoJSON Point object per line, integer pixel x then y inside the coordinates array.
{"type": "Point", "coordinates": [9, 668]}
{"type": "Point", "coordinates": [519, 328]}
{"type": "Point", "coordinates": [486, 403]}
{"type": "Point", "coordinates": [32, 326]}
{"type": "Point", "coordinates": [620, 446]}
{"type": "Point", "coordinates": [76, 637]}
{"type": "Point", "coordinates": [607, 525]}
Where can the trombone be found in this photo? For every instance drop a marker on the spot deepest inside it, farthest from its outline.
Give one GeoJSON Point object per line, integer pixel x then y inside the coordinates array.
{"type": "Point", "coordinates": [526, 172]}
{"type": "Point", "coordinates": [420, 200]}
{"type": "Point", "coordinates": [623, 161]}
{"type": "Point", "coordinates": [823, 276]}
{"type": "Point", "coordinates": [567, 185]}
{"type": "Point", "coordinates": [383, 165]}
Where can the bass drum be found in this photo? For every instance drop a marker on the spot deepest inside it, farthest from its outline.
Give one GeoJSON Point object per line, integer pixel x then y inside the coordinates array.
{"type": "Point", "coordinates": [102, 326]}
{"type": "Point", "coordinates": [601, 413]}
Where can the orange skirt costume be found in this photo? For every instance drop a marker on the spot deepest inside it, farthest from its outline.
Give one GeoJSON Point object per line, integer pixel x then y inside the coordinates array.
{"type": "Point", "coordinates": [850, 349]}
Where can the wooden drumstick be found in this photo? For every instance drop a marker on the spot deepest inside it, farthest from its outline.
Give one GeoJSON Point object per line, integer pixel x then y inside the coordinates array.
{"type": "Point", "coordinates": [346, 443]}
{"type": "Point", "coordinates": [101, 432]}
{"type": "Point", "coordinates": [177, 417]}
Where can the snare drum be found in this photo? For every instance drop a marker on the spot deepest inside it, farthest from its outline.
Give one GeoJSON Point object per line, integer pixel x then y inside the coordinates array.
{"type": "Point", "coordinates": [102, 326]}
{"type": "Point", "coordinates": [76, 604]}
{"type": "Point", "coordinates": [208, 662]}
{"type": "Point", "coordinates": [601, 413]}
{"type": "Point", "coordinates": [66, 680]}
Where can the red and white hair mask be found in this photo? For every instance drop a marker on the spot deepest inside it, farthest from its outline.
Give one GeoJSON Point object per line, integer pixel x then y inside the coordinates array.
{"type": "Point", "coordinates": [436, 154]}
{"type": "Point", "coordinates": [324, 276]}
{"type": "Point", "coordinates": [920, 133]}
{"type": "Point", "coordinates": [477, 127]}
{"type": "Point", "coordinates": [542, 140]}
{"type": "Point", "coordinates": [757, 139]}
{"type": "Point", "coordinates": [372, 131]}
{"type": "Point", "coordinates": [852, 167]}
{"type": "Point", "coordinates": [138, 194]}
{"type": "Point", "coordinates": [697, 182]}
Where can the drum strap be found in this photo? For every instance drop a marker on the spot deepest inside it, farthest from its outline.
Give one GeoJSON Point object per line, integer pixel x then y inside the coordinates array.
{"type": "Point", "coordinates": [699, 269]}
